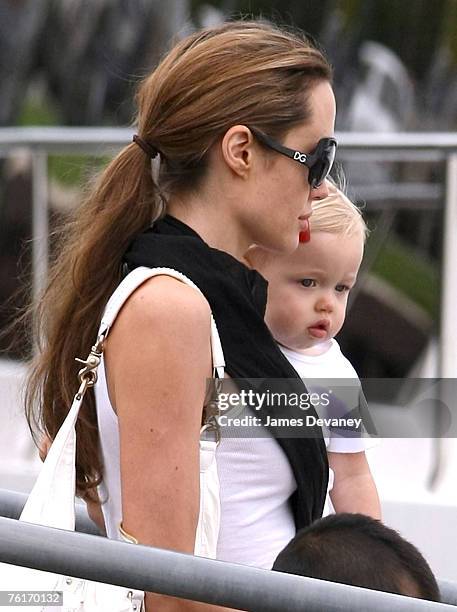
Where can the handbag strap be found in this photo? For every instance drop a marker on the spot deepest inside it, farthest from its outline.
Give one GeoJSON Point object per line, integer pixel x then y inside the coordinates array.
{"type": "Point", "coordinates": [136, 278]}
{"type": "Point", "coordinates": [52, 500]}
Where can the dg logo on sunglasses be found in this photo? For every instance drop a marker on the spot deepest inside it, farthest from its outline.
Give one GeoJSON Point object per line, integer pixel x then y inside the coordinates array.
{"type": "Point", "coordinates": [301, 157]}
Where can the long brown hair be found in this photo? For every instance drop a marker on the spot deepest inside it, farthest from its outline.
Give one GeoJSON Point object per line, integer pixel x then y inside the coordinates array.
{"type": "Point", "coordinates": [242, 72]}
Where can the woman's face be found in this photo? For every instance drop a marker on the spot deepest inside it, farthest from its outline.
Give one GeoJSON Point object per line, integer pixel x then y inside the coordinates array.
{"type": "Point", "coordinates": [282, 195]}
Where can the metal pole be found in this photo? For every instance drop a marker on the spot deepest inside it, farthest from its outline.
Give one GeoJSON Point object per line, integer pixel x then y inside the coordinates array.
{"type": "Point", "coordinates": [448, 344]}
{"type": "Point", "coordinates": [185, 576]}
{"type": "Point", "coordinates": [98, 139]}
{"type": "Point", "coordinates": [13, 502]}
{"type": "Point", "coordinates": [448, 592]}
{"type": "Point", "coordinates": [40, 223]}
{"type": "Point", "coordinates": [447, 362]}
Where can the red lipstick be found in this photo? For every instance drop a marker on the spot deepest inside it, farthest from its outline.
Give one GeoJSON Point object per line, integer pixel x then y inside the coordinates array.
{"type": "Point", "coordinates": [305, 234]}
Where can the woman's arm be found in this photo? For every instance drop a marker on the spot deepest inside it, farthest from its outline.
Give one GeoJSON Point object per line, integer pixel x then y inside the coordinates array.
{"type": "Point", "coordinates": [94, 510]}
{"type": "Point", "coordinates": [158, 358]}
{"type": "Point", "coordinates": [354, 489]}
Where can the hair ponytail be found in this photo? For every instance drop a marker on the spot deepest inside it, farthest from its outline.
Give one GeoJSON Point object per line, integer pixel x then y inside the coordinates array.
{"type": "Point", "coordinates": [85, 271]}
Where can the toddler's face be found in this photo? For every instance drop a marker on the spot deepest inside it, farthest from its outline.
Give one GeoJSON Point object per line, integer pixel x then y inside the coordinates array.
{"type": "Point", "coordinates": [308, 290]}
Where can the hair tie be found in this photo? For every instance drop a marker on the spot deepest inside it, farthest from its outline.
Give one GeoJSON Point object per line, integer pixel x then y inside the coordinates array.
{"type": "Point", "coordinates": [150, 150]}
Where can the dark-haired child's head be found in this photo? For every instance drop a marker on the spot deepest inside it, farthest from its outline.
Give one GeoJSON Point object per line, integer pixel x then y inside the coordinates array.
{"type": "Point", "coordinates": [358, 550]}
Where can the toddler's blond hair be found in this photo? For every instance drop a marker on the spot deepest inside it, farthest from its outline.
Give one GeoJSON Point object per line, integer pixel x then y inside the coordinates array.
{"type": "Point", "coordinates": [336, 214]}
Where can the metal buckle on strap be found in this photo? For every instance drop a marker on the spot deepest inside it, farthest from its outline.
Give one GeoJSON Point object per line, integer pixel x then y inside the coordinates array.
{"type": "Point", "coordinates": [211, 410]}
{"type": "Point", "coordinates": [211, 426]}
{"type": "Point", "coordinates": [88, 374]}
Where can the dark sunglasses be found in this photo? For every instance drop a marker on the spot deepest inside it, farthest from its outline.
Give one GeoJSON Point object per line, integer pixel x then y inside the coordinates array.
{"type": "Point", "coordinates": [319, 162]}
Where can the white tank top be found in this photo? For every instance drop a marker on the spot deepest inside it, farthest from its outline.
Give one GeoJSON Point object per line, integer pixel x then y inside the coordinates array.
{"type": "Point", "coordinates": [108, 427]}
{"type": "Point", "coordinates": [256, 482]}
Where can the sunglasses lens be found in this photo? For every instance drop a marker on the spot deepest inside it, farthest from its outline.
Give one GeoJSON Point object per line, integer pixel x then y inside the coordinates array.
{"type": "Point", "coordinates": [322, 167]}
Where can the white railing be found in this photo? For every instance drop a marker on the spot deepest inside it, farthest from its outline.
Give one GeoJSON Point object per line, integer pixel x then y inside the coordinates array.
{"type": "Point", "coordinates": [196, 578]}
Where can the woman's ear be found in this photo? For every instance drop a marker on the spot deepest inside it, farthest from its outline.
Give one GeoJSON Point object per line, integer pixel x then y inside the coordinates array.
{"type": "Point", "coordinates": [236, 148]}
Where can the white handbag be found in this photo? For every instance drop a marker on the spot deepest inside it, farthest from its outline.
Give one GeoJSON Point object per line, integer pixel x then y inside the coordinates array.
{"type": "Point", "coordinates": [52, 500]}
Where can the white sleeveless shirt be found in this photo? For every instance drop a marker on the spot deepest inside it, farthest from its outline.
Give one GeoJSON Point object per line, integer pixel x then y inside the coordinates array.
{"type": "Point", "coordinates": [256, 482]}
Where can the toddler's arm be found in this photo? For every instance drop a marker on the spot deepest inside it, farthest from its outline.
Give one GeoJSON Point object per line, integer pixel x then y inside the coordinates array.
{"type": "Point", "coordinates": [354, 489]}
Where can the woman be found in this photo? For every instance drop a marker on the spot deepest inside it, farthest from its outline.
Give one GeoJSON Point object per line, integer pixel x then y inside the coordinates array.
{"type": "Point", "coordinates": [223, 188]}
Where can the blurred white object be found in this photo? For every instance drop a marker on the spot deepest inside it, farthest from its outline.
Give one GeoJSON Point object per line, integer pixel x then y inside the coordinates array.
{"type": "Point", "coordinates": [427, 519]}
{"type": "Point", "coordinates": [209, 16]}
{"type": "Point", "coordinates": [19, 460]}
{"type": "Point", "coordinates": [383, 100]}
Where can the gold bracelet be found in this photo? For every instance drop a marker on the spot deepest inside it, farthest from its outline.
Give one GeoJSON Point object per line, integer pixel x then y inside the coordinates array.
{"type": "Point", "coordinates": [127, 536]}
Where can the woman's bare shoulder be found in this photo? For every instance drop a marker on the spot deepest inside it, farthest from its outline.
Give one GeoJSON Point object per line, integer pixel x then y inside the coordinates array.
{"type": "Point", "coordinates": [163, 321]}
{"type": "Point", "coordinates": [165, 299]}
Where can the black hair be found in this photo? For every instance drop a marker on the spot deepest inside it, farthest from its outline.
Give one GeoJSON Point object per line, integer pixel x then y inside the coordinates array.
{"type": "Point", "coordinates": [361, 551]}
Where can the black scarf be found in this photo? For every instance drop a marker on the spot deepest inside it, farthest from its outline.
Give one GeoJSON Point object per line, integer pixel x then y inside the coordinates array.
{"type": "Point", "coordinates": [237, 297]}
